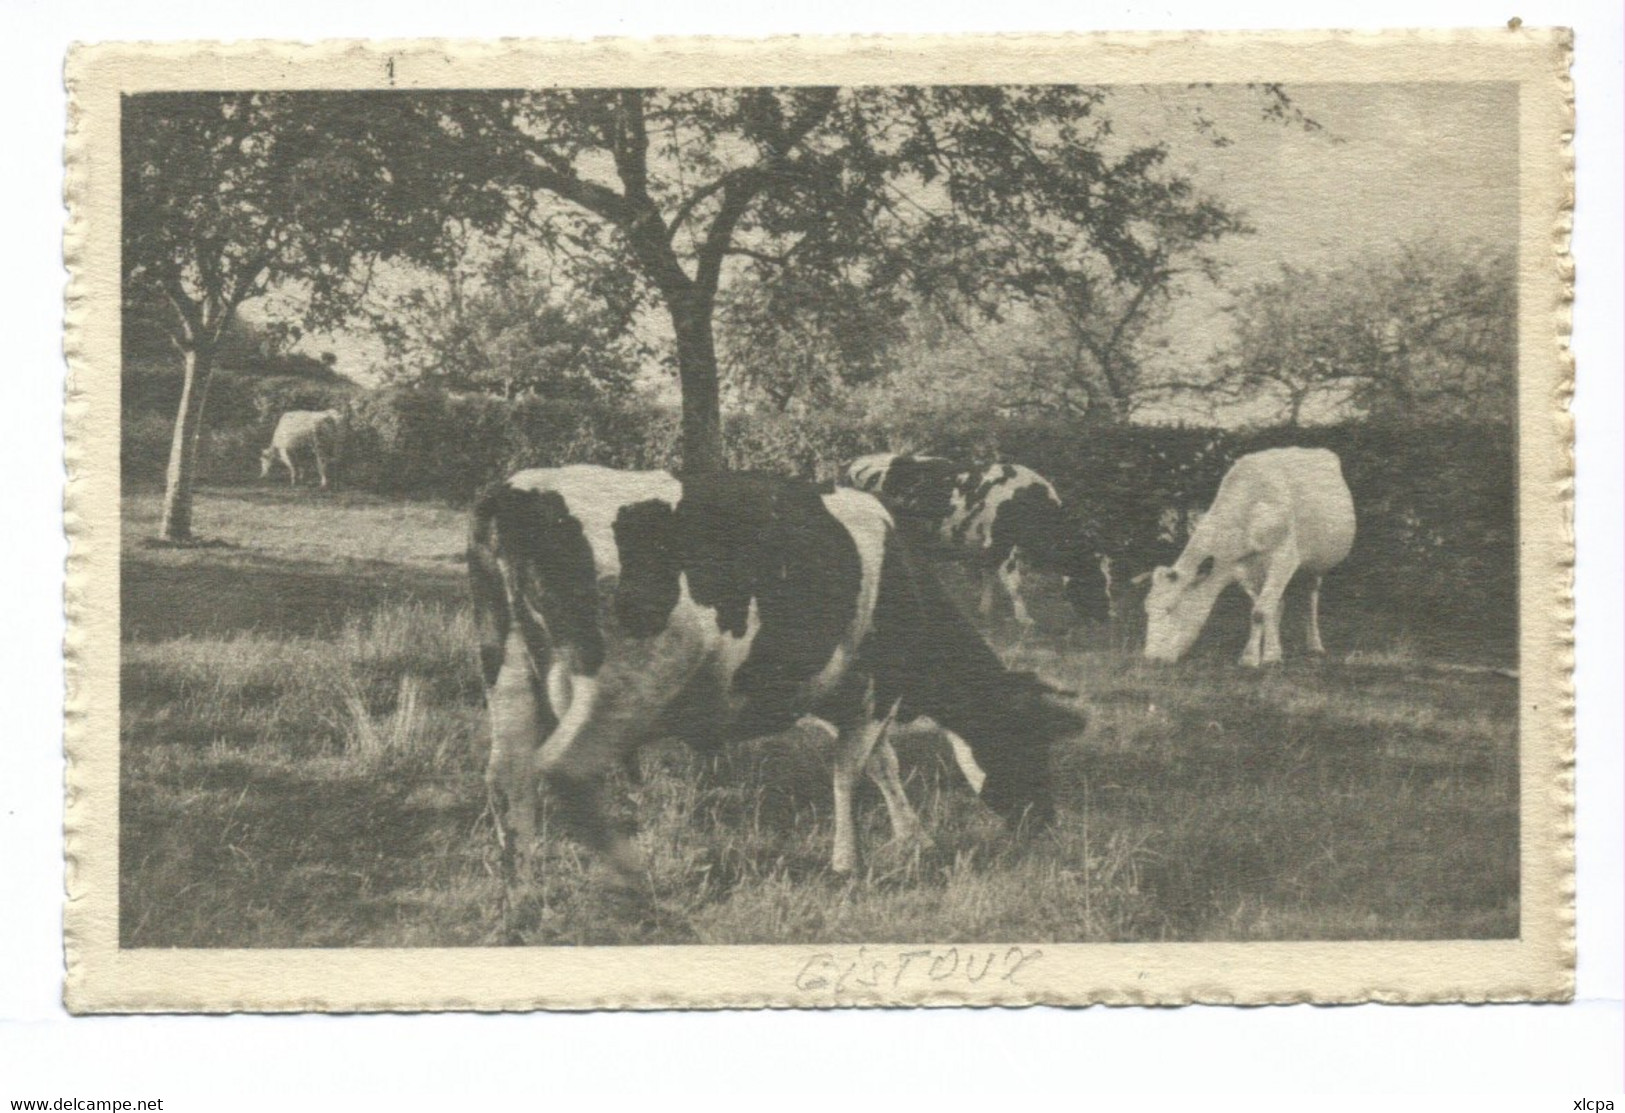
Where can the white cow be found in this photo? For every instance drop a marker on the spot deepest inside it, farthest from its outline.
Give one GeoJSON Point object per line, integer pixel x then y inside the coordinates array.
{"type": "Point", "coordinates": [305, 432]}
{"type": "Point", "coordinates": [1277, 513]}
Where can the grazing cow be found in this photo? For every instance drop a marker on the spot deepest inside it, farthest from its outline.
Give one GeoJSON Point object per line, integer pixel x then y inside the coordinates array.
{"type": "Point", "coordinates": [1277, 513]}
{"type": "Point", "coordinates": [1001, 516]}
{"type": "Point", "coordinates": [615, 608]}
{"type": "Point", "coordinates": [303, 432]}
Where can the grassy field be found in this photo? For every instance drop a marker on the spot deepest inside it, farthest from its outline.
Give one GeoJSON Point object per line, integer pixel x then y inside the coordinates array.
{"type": "Point", "coordinates": [303, 748]}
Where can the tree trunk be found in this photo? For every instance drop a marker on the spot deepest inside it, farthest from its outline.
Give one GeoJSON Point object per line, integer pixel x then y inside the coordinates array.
{"type": "Point", "coordinates": [1104, 405]}
{"type": "Point", "coordinates": [702, 399]}
{"type": "Point", "coordinates": [177, 521]}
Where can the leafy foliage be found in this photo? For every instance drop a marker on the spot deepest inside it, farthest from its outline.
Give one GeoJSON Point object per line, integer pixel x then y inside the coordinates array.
{"type": "Point", "coordinates": [226, 193]}
{"type": "Point", "coordinates": [829, 209]}
{"type": "Point", "coordinates": [507, 329]}
{"type": "Point", "coordinates": [788, 338]}
{"type": "Point", "coordinates": [1429, 333]}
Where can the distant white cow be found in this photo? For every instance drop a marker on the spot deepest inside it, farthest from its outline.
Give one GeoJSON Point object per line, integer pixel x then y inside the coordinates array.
{"type": "Point", "coordinates": [1276, 513]}
{"type": "Point", "coordinates": [303, 432]}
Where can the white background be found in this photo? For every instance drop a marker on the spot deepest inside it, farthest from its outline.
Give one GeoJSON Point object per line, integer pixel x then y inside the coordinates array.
{"type": "Point", "coordinates": [1497, 1054]}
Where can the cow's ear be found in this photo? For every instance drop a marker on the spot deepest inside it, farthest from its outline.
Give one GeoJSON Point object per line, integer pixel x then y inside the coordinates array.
{"type": "Point", "coordinates": [646, 537]}
{"type": "Point", "coordinates": [1205, 569]}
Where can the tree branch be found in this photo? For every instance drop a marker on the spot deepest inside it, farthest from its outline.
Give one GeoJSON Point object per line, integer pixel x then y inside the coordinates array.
{"type": "Point", "coordinates": [736, 198]}
{"type": "Point", "coordinates": [187, 311]}
{"type": "Point", "coordinates": [686, 209]}
{"type": "Point", "coordinates": [553, 172]}
{"type": "Point", "coordinates": [779, 260]}
{"type": "Point", "coordinates": [739, 191]}
{"type": "Point", "coordinates": [631, 146]}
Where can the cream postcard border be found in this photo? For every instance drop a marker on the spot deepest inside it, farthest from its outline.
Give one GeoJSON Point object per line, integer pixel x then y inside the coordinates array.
{"type": "Point", "coordinates": [1538, 965]}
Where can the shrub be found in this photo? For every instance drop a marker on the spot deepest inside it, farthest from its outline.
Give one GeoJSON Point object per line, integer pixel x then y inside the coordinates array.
{"type": "Point", "coordinates": [144, 447]}
{"type": "Point", "coordinates": [273, 396]}
{"type": "Point", "coordinates": [433, 444]}
{"type": "Point", "coordinates": [1437, 521]}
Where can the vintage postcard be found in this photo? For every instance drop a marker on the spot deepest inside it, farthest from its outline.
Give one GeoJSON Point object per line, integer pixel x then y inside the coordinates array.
{"type": "Point", "coordinates": [820, 522]}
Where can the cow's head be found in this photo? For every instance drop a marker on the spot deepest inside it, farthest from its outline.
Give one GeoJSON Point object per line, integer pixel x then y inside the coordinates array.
{"type": "Point", "coordinates": [267, 458]}
{"type": "Point", "coordinates": [1177, 606]}
{"type": "Point", "coordinates": [1017, 767]}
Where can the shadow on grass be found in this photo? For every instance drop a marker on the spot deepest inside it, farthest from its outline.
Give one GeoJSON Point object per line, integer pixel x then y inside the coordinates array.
{"type": "Point", "coordinates": [239, 854]}
{"type": "Point", "coordinates": [1336, 821]}
{"type": "Point", "coordinates": [212, 597]}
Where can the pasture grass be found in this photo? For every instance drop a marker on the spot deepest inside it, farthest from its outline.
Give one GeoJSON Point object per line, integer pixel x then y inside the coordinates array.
{"type": "Point", "coordinates": [303, 743]}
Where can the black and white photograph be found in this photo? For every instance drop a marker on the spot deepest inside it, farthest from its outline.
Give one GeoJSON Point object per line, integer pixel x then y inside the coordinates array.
{"type": "Point", "coordinates": [898, 530]}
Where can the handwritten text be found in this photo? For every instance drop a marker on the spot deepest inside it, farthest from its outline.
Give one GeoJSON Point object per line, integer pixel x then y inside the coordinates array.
{"type": "Point", "coordinates": [874, 970]}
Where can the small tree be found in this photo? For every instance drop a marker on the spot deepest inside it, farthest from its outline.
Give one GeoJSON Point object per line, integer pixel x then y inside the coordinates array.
{"type": "Point", "coordinates": [1428, 333]}
{"type": "Point", "coordinates": [227, 194]}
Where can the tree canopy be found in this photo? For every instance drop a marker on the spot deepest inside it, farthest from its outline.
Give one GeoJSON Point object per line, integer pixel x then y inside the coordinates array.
{"type": "Point", "coordinates": [830, 205]}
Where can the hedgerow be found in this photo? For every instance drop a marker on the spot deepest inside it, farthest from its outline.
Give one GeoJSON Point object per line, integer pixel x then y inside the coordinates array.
{"type": "Point", "coordinates": [1437, 527]}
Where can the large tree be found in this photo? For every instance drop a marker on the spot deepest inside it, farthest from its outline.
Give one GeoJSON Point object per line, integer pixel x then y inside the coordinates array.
{"type": "Point", "coordinates": [948, 192]}
{"type": "Point", "coordinates": [226, 195]}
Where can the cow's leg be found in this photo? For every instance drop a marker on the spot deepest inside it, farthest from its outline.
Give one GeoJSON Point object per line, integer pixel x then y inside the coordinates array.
{"type": "Point", "coordinates": [516, 731]}
{"type": "Point", "coordinates": [1252, 582]}
{"type": "Point", "coordinates": [1315, 644]}
{"type": "Point", "coordinates": [287, 462]}
{"type": "Point", "coordinates": [321, 465]}
{"type": "Point", "coordinates": [584, 804]}
{"type": "Point", "coordinates": [853, 749]}
{"type": "Point", "coordinates": [1267, 606]}
{"type": "Point", "coordinates": [986, 575]}
{"type": "Point", "coordinates": [575, 760]}
{"type": "Point", "coordinates": [1010, 579]}
{"type": "Point", "coordinates": [884, 771]}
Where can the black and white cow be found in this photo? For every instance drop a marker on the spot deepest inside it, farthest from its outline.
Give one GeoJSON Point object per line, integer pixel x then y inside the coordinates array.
{"type": "Point", "coordinates": [617, 607]}
{"type": "Point", "coordinates": [1002, 516]}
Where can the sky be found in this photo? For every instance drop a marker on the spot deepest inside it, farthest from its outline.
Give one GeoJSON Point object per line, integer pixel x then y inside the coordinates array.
{"type": "Point", "coordinates": [1390, 164]}
{"type": "Point", "coordinates": [1393, 164]}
